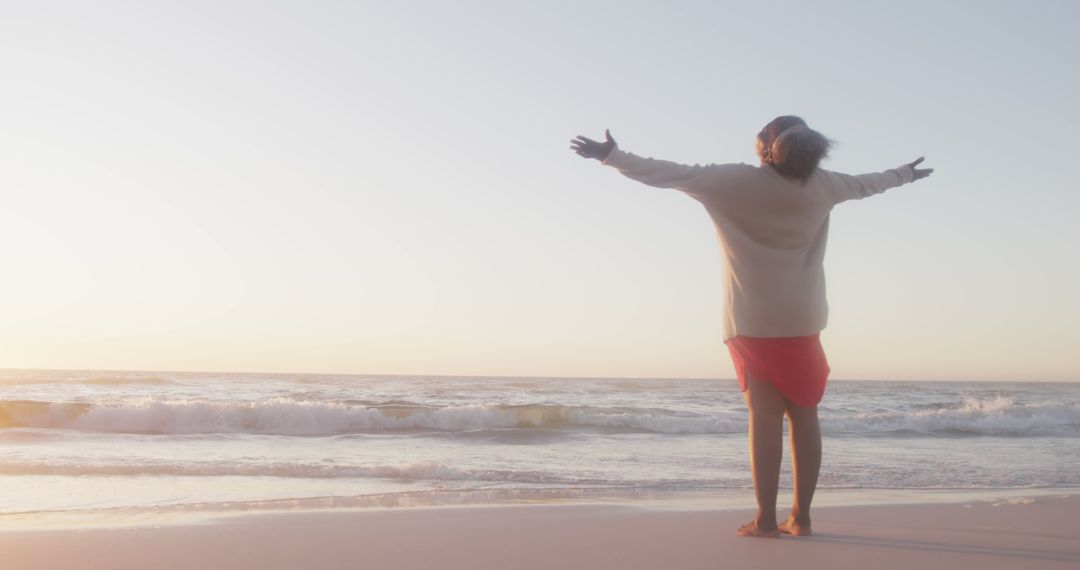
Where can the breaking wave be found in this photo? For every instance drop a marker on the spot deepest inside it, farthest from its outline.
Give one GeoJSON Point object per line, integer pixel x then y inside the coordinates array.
{"type": "Point", "coordinates": [285, 416]}
{"type": "Point", "coordinates": [999, 417]}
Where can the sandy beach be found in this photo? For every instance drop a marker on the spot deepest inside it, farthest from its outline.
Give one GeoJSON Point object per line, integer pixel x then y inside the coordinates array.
{"type": "Point", "coordinates": [1036, 532]}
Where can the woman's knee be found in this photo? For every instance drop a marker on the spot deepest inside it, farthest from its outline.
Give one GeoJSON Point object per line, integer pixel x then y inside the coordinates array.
{"type": "Point", "coordinates": [802, 415]}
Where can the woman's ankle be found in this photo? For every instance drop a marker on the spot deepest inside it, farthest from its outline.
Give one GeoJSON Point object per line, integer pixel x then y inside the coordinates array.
{"type": "Point", "coordinates": [765, 522]}
{"type": "Point", "coordinates": [799, 516]}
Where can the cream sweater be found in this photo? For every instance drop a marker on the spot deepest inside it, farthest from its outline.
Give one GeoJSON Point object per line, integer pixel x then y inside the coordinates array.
{"type": "Point", "coordinates": [773, 233]}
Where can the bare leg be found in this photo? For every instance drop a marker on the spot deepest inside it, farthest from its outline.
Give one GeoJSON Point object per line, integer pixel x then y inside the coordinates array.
{"type": "Point", "coordinates": [766, 406]}
{"type": "Point", "coordinates": [806, 453]}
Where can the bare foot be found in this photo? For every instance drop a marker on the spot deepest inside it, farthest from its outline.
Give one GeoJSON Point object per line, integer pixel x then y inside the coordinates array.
{"type": "Point", "coordinates": [795, 528]}
{"type": "Point", "coordinates": [752, 529]}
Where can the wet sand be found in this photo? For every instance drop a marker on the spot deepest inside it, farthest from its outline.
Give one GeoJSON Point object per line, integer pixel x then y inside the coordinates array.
{"type": "Point", "coordinates": [1031, 533]}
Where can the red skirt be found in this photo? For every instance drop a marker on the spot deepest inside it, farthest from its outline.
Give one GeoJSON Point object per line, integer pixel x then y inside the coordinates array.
{"type": "Point", "coordinates": [796, 366]}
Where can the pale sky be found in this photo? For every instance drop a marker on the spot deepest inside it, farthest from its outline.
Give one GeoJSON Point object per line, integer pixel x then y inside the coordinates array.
{"type": "Point", "coordinates": [386, 187]}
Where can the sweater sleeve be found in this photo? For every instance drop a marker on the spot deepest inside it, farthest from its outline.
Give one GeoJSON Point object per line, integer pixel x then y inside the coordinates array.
{"type": "Point", "coordinates": [845, 187]}
{"type": "Point", "coordinates": [659, 173]}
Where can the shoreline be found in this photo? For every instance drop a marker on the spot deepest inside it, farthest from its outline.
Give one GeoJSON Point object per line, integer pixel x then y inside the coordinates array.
{"type": "Point", "coordinates": [726, 500]}
{"type": "Point", "coordinates": [1035, 533]}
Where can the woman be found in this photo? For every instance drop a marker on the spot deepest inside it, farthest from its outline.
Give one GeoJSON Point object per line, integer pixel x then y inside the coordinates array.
{"type": "Point", "coordinates": [773, 222]}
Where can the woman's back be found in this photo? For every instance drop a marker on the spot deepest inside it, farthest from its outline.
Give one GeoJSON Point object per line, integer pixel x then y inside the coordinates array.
{"type": "Point", "coordinates": [773, 230]}
{"type": "Point", "coordinates": [766, 207]}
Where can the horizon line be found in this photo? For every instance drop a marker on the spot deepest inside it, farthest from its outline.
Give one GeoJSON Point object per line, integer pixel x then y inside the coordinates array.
{"type": "Point", "coordinates": [518, 376]}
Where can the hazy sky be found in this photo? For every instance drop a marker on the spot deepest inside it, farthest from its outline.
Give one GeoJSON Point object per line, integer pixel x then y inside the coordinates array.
{"type": "Point", "coordinates": [385, 187]}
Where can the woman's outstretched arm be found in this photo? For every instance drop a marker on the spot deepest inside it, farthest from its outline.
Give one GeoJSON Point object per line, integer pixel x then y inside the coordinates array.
{"type": "Point", "coordinates": [659, 173]}
{"type": "Point", "coordinates": [855, 187]}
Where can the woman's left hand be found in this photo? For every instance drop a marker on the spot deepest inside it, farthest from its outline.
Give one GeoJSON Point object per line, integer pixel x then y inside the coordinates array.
{"type": "Point", "coordinates": [920, 173]}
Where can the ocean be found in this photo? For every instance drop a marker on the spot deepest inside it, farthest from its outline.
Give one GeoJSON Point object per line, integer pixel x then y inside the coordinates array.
{"type": "Point", "coordinates": [97, 441]}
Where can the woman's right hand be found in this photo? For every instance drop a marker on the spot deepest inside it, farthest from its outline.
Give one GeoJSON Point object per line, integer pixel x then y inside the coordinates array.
{"type": "Point", "coordinates": [588, 148]}
{"type": "Point", "coordinates": [920, 173]}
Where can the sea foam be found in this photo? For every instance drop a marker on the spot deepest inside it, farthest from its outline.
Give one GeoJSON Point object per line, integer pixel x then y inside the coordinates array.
{"type": "Point", "coordinates": [289, 417]}
{"type": "Point", "coordinates": [998, 416]}
{"type": "Point", "coordinates": [283, 416]}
